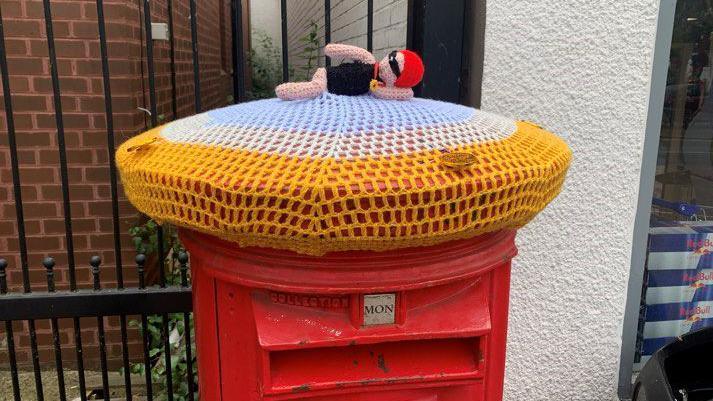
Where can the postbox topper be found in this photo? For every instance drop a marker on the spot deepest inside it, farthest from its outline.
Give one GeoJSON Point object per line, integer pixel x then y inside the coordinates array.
{"type": "Point", "coordinates": [334, 172]}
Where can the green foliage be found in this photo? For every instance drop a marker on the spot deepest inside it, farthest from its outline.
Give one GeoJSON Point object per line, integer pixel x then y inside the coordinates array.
{"type": "Point", "coordinates": [145, 239]}
{"type": "Point", "coordinates": [309, 53]}
{"type": "Point", "coordinates": [265, 62]}
{"type": "Point", "coordinates": [179, 363]}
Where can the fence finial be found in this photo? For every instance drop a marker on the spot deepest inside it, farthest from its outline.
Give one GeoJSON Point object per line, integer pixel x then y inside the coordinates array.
{"type": "Point", "coordinates": [140, 261]}
{"type": "Point", "coordinates": [49, 264]}
{"type": "Point", "coordinates": [95, 261]}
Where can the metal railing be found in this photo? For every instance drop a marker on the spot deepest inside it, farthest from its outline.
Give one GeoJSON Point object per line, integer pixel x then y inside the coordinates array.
{"type": "Point", "coordinates": [97, 302]}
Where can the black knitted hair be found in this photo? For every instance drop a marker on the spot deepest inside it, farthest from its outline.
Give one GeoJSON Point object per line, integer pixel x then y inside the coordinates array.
{"type": "Point", "coordinates": [349, 78]}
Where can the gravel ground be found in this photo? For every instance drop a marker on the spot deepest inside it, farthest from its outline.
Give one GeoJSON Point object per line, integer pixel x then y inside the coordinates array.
{"type": "Point", "coordinates": [51, 391]}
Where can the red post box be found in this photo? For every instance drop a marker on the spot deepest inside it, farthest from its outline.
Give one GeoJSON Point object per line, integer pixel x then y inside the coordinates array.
{"type": "Point", "coordinates": [416, 324]}
{"type": "Point", "coordinates": [347, 248]}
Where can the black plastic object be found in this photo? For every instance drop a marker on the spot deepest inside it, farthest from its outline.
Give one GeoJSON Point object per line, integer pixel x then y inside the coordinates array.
{"type": "Point", "coordinates": [680, 371]}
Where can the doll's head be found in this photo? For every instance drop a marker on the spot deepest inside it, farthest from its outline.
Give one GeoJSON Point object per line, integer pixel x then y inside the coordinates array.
{"type": "Point", "coordinates": [402, 69]}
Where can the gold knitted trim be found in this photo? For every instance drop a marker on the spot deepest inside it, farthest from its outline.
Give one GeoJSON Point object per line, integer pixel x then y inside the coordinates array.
{"type": "Point", "coordinates": [319, 205]}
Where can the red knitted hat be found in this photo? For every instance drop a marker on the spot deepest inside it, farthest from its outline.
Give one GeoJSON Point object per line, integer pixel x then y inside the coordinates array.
{"type": "Point", "coordinates": [412, 73]}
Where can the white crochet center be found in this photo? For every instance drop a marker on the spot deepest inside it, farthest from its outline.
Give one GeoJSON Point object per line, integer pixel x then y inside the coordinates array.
{"type": "Point", "coordinates": [341, 127]}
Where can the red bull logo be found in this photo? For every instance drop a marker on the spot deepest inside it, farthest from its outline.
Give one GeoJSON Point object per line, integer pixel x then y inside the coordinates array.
{"type": "Point", "coordinates": [702, 243]}
{"type": "Point", "coordinates": [701, 251]}
{"type": "Point", "coordinates": [693, 314]}
{"type": "Point", "coordinates": [700, 247]}
{"type": "Point", "coordinates": [693, 319]}
{"type": "Point", "coordinates": [695, 279]}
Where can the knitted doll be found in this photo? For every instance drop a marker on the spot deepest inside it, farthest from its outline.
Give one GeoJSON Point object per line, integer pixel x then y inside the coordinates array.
{"type": "Point", "coordinates": [391, 78]}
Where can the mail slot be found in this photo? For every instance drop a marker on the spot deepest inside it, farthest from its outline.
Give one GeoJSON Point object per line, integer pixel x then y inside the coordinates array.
{"type": "Point", "coordinates": [416, 324]}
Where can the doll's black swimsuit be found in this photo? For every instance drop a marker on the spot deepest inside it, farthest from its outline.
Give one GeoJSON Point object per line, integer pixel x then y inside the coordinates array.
{"type": "Point", "coordinates": [350, 78]}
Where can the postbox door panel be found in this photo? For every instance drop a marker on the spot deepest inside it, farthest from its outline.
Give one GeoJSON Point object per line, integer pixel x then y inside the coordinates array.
{"type": "Point", "coordinates": [456, 392]}
{"type": "Point", "coordinates": [299, 321]}
{"type": "Point", "coordinates": [421, 361]}
{"type": "Point", "coordinates": [319, 344]}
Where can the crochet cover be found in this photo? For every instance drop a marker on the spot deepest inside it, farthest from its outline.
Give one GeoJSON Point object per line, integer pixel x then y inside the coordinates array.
{"type": "Point", "coordinates": [342, 173]}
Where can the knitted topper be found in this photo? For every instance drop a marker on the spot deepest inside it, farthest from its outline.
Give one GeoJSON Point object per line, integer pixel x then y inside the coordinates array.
{"type": "Point", "coordinates": [391, 78]}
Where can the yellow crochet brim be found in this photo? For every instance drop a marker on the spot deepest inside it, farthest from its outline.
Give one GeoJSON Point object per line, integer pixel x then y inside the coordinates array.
{"type": "Point", "coordinates": [319, 205]}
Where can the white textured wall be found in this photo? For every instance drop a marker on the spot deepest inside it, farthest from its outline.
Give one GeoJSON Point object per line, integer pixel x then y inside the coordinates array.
{"type": "Point", "coordinates": [580, 68]}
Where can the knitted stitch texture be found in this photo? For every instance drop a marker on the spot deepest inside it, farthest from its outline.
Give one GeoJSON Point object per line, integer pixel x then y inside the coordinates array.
{"type": "Point", "coordinates": [340, 173]}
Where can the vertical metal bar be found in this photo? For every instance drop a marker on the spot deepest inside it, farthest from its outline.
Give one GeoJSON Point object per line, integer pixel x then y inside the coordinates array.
{"type": "Point", "coordinates": [238, 51]}
{"type": "Point", "coordinates": [167, 357]}
{"type": "Point", "coordinates": [110, 143]}
{"type": "Point", "coordinates": [161, 256]}
{"type": "Point", "coordinates": [20, 225]}
{"type": "Point", "coordinates": [172, 57]}
{"type": "Point", "coordinates": [49, 264]}
{"type": "Point", "coordinates": [147, 357]}
{"type": "Point", "coordinates": [328, 28]}
{"type": "Point", "coordinates": [59, 121]}
{"type": "Point", "coordinates": [194, 47]}
{"type": "Point", "coordinates": [9, 332]}
{"type": "Point", "coordinates": [125, 357]}
{"type": "Point", "coordinates": [285, 64]}
{"type": "Point", "coordinates": [410, 21]}
{"type": "Point", "coordinates": [140, 261]}
{"type": "Point", "coordinates": [10, 335]}
{"type": "Point", "coordinates": [370, 25]}
{"type": "Point", "coordinates": [95, 262]}
{"type": "Point", "coordinates": [154, 122]}
{"type": "Point", "coordinates": [150, 63]}
{"type": "Point", "coordinates": [36, 361]}
{"type": "Point", "coordinates": [183, 260]}
{"type": "Point", "coordinates": [164, 317]}
{"type": "Point", "coordinates": [80, 359]}
{"type": "Point", "coordinates": [436, 32]}
{"type": "Point", "coordinates": [114, 198]}
{"type": "Point", "coordinates": [12, 143]}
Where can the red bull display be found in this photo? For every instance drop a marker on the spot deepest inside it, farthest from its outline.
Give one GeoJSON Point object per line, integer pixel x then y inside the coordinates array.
{"type": "Point", "coordinates": [679, 284]}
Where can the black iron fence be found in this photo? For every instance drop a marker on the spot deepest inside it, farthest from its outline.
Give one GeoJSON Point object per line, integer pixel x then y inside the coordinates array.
{"type": "Point", "coordinates": [165, 299]}
{"type": "Point", "coordinates": [96, 302]}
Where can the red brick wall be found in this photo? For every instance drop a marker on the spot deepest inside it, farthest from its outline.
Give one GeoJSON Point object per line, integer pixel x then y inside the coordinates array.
{"type": "Point", "coordinates": [79, 64]}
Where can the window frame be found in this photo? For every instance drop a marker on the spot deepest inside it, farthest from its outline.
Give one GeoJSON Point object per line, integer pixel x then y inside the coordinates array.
{"type": "Point", "coordinates": [659, 71]}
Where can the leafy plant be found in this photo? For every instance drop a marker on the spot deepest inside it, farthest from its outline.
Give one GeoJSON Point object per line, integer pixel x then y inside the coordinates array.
{"type": "Point", "coordinates": [145, 239]}
{"type": "Point", "coordinates": [310, 51]}
{"type": "Point", "coordinates": [179, 363]}
{"type": "Point", "coordinates": [265, 62]}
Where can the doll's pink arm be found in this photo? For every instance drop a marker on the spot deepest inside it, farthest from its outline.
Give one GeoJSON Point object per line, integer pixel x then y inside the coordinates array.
{"type": "Point", "coordinates": [335, 50]}
{"type": "Point", "coordinates": [298, 90]}
{"type": "Point", "coordinates": [393, 93]}
{"type": "Point", "coordinates": [304, 90]}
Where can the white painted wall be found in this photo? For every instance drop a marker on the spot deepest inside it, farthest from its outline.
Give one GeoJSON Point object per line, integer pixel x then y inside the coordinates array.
{"type": "Point", "coordinates": [582, 69]}
{"type": "Point", "coordinates": [265, 16]}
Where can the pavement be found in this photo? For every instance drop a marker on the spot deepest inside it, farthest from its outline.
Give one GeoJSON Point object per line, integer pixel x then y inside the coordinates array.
{"type": "Point", "coordinates": [51, 390]}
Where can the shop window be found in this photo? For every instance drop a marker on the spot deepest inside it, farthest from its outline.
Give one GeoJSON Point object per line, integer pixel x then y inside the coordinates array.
{"type": "Point", "coordinates": [677, 282]}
